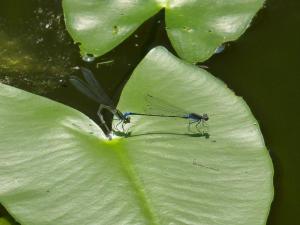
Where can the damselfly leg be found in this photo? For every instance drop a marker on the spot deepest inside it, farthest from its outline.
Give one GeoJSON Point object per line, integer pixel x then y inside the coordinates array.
{"type": "Point", "coordinates": [116, 126]}
{"type": "Point", "coordinates": [92, 89]}
{"type": "Point", "coordinates": [100, 115]}
{"type": "Point", "coordinates": [189, 125]}
{"type": "Point", "coordinates": [201, 127]}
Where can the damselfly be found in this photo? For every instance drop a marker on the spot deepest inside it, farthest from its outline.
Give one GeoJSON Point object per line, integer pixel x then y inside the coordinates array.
{"type": "Point", "coordinates": [155, 107]}
{"type": "Point", "coordinates": [92, 89]}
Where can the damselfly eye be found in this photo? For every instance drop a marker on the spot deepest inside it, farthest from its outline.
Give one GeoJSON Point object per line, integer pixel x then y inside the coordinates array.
{"type": "Point", "coordinates": [205, 117]}
{"type": "Point", "coordinates": [127, 120]}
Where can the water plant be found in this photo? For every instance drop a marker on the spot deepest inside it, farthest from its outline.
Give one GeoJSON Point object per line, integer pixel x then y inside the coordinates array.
{"type": "Point", "coordinates": [57, 166]}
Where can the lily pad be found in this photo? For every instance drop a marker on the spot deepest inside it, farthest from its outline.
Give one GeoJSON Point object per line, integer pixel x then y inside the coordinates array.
{"type": "Point", "coordinates": [196, 28]}
{"type": "Point", "coordinates": [56, 167]}
{"type": "Point", "coordinates": [4, 221]}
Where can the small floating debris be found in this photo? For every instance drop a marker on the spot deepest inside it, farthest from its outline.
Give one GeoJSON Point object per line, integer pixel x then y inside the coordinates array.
{"type": "Point", "coordinates": [203, 66]}
{"type": "Point", "coordinates": [115, 30]}
{"type": "Point", "coordinates": [39, 40]}
{"type": "Point", "coordinates": [48, 25]}
{"type": "Point", "coordinates": [88, 58]}
{"type": "Point", "coordinates": [40, 10]}
{"type": "Point", "coordinates": [220, 49]}
{"type": "Point", "coordinates": [188, 29]}
{"type": "Point", "coordinates": [196, 163]}
{"type": "Point", "coordinates": [104, 63]}
{"type": "Point", "coordinates": [75, 68]}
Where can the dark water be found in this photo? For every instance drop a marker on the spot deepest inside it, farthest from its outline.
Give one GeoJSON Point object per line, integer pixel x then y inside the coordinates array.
{"type": "Point", "coordinates": [261, 66]}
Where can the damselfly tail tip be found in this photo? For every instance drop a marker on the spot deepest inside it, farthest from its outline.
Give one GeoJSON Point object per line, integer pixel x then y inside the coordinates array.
{"type": "Point", "coordinates": [109, 136]}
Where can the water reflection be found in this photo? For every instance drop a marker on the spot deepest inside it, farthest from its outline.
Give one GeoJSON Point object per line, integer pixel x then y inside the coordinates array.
{"type": "Point", "coordinates": [129, 134]}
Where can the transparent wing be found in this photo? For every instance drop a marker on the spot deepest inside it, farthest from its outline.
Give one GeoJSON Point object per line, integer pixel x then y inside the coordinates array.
{"type": "Point", "coordinates": [158, 106]}
{"type": "Point", "coordinates": [84, 88]}
{"type": "Point", "coordinates": [95, 87]}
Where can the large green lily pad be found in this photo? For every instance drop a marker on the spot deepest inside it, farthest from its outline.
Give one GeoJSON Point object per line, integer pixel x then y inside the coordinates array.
{"type": "Point", "coordinates": [195, 28]}
{"type": "Point", "coordinates": [56, 167]}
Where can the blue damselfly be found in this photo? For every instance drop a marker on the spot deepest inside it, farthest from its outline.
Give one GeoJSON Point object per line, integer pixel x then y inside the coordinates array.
{"type": "Point", "coordinates": [155, 107]}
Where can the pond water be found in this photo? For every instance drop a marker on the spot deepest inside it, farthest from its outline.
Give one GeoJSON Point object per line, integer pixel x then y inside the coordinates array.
{"type": "Point", "coordinates": [37, 54]}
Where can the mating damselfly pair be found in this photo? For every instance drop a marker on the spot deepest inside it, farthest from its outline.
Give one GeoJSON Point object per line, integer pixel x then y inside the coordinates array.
{"type": "Point", "coordinates": [155, 107]}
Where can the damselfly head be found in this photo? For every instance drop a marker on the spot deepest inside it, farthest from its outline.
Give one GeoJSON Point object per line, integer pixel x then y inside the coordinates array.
{"type": "Point", "coordinates": [205, 117]}
{"type": "Point", "coordinates": [126, 120]}
{"type": "Point", "coordinates": [125, 117]}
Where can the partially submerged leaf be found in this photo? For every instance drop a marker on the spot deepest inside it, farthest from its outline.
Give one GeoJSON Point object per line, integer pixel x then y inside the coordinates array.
{"type": "Point", "coordinates": [4, 221]}
{"type": "Point", "coordinates": [195, 28]}
{"type": "Point", "coordinates": [54, 171]}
